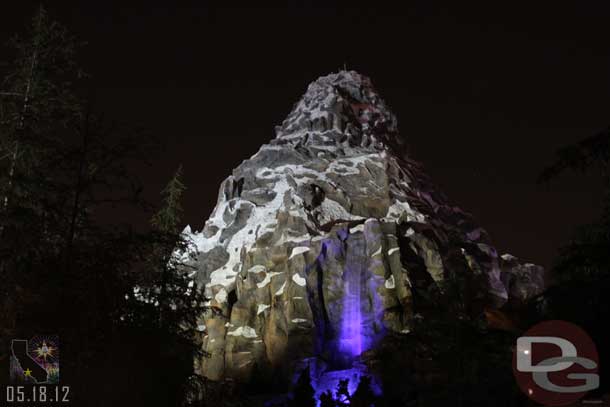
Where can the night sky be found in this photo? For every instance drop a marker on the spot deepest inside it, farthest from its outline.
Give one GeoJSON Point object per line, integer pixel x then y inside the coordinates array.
{"type": "Point", "coordinates": [484, 95]}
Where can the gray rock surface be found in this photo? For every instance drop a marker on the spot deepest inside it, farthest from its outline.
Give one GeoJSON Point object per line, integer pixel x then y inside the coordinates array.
{"type": "Point", "coordinates": [328, 214]}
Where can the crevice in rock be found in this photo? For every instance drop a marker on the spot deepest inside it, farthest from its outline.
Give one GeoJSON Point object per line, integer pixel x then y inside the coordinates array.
{"type": "Point", "coordinates": [415, 267]}
{"type": "Point", "coordinates": [232, 299]}
{"type": "Point", "coordinates": [317, 303]}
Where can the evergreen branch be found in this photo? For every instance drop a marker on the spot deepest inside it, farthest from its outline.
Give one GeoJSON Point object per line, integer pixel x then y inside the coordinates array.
{"type": "Point", "coordinates": [11, 94]}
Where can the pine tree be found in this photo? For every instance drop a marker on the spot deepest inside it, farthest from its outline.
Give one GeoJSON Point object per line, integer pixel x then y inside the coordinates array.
{"type": "Point", "coordinates": [162, 310]}
{"type": "Point", "coordinates": [62, 271]}
{"type": "Point", "coordinates": [37, 100]}
{"type": "Point", "coordinates": [586, 257]}
{"type": "Point", "coordinates": [164, 296]}
{"type": "Point", "coordinates": [166, 222]}
{"type": "Point", "coordinates": [464, 359]}
{"type": "Point", "coordinates": [580, 277]}
{"type": "Point", "coordinates": [38, 104]}
{"type": "Point", "coordinates": [168, 218]}
{"type": "Point", "coordinates": [175, 293]}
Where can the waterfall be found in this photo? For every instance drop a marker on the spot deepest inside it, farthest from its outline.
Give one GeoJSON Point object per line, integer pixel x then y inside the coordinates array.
{"type": "Point", "coordinates": [360, 325]}
{"type": "Point", "coordinates": [350, 332]}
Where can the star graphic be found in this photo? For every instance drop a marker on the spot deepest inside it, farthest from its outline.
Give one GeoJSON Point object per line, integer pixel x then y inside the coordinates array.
{"type": "Point", "coordinates": [28, 373]}
{"type": "Point", "coordinates": [45, 351]}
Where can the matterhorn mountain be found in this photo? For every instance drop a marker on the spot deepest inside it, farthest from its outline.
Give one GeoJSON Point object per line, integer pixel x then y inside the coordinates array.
{"type": "Point", "coordinates": [320, 243]}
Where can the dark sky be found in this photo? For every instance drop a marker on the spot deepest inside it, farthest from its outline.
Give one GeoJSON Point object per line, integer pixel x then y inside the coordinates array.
{"type": "Point", "coordinates": [484, 95]}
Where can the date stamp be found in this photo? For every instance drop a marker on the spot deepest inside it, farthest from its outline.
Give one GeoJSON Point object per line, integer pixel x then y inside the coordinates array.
{"type": "Point", "coordinates": [37, 395]}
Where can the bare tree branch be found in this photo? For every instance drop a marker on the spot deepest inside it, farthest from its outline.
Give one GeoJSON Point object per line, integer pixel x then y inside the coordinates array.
{"type": "Point", "coordinates": [11, 94]}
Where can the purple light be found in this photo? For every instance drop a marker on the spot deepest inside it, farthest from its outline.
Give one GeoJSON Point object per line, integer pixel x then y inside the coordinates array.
{"type": "Point", "coordinates": [354, 323]}
{"type": "Point", "coordinates": [324, 380]}
{"type": "Point", "coordinates": [361, 309]}
{"type": "Point", "coordinates": [350, 336]}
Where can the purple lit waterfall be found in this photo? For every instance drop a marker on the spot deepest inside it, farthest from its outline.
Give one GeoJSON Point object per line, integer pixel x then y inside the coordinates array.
{"type": "Point", "coordinates": [361, 323]}
{"type": "Point", "coordinates": [355, 317]}
{"type": "Point", "coordinates": [350, 333]}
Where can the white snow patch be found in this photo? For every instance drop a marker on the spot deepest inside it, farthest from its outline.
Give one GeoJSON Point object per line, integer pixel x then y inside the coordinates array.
{"type": "Point", "coordinates": [359, 228]}
{"type": "Point", "coordinates": [378, 252]}
{"type": "Point", "coordinates": [350, 165]}
{"type": "Point", "coordinates": [267, 279]}
{"type": "Point", "coordinates": [245, 331]}
{"type": "Point", "coordinates": [281, 290]}
{"type": "Point", "coordinates": [330, 210]}
{"type": "Point", "coordinates": [393, 250]}
{"type": "Point", "coordinates": [299, 280]}
{"type": "Point", "coordinates": [298, 250]}
{"type": "Point", "coordinates": [262, 308]}
{"type": "Point", "coordinates": [299, 320]}
{"type": "Point", "coordinates": [389, 283]}
{"type": "Point", "coordinates": [507, 257]}
{"type": "Point", "coordinates": [398, 208]}
{"type": "Point", "coordinates": [257, 269]}
{"type": "Point", "coordinates": [292, 239]}
{"type": "Point", "coordinates": [260, 216]}
{"type": "Point", "coordinates": [221, 296]}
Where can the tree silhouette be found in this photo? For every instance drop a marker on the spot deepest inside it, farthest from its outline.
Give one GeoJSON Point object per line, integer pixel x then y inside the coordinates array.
{"type": "Point", "coordinates": [342, 397]}
{"type": "Point", "coordinates": [37, 95]}
{"type": "Point", "coordinates": [460, 357]}
{"type": "Point", "coordinates": [303, 392]}
{"type": "Point", "coordinates": [581, 272]}
{"type": "Point", "coordinates": [63, 271]}
{"type": "Point", "coordinates": [162, 309]}
{"type": "Point", "coordinates": [364, 396]}
{"type": "Point", "coordinates": [327, 400]}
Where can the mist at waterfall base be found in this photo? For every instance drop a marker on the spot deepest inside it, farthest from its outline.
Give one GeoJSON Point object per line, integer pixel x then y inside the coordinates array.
{"type": "Point", "coordinates": [360, 328]}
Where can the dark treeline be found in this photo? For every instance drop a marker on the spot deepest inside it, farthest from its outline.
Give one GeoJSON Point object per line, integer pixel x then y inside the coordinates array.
{"type": "Point", "coordinates": [120, 299]}
{"type": "Point", "coordinates": [578, 291]}
{"type": "Point", "coordinates": [61, 270]}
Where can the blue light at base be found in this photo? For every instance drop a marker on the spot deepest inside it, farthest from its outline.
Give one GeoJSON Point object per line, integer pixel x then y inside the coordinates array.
{"type": "Point", "coordinates": [324, 379]}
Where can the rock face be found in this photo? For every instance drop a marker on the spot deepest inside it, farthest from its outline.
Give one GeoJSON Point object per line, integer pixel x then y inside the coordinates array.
{"type": "Point", "coordinates": [320, 241]}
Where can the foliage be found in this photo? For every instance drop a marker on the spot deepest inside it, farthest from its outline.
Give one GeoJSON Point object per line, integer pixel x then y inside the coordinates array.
{"type": "Point", "coordinates": [589, 154]}
{"type": "Point", "coordinates": [460, 360]}
{"type": "Point", "coordinates": [63, 270]}
{"type": "Point", "coordinates": [581, 272]}
{"type": "Point", "coordinates": [164, 305]}
{"type": "Point", "coordinates": [303, 392]}
{"type": "Point", "coordinates": [364, 396]}
{"type": "Point", "coordinates": [165, 295]}
{"type": "Point", "coordinates": [586, 256]}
